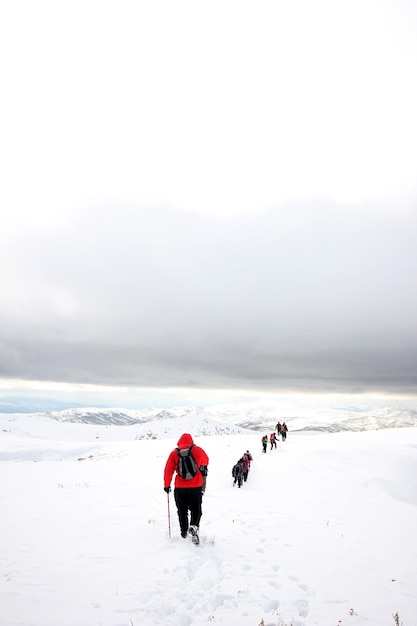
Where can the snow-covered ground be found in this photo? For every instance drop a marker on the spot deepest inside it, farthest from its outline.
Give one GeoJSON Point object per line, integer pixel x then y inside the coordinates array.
{"type": "Point", "coordinates": [323, 533]}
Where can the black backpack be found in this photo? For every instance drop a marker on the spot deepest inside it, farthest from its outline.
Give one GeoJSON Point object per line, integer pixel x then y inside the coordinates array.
{"type": "Point", "coordinates": [187, 467]}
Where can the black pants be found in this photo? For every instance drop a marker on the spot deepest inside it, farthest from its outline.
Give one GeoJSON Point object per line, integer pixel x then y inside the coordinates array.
{"type": "Point", "coordinates": [188, 499]}
{"type": "Point", "coordinates": [238, 479]}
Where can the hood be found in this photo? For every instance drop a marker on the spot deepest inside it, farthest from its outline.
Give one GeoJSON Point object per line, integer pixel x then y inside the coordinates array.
{"type": "Point", "coordinates": [185, 441]}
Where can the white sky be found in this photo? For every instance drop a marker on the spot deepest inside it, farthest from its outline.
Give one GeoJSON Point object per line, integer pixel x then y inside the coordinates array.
{"type": "Point", "coordinates": [218, 108]}
{"type": "Point", "coordinates": [114, 112]}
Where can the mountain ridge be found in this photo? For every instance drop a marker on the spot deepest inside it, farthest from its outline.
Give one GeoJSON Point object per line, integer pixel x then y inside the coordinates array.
{"type": "Point", "coordinates": [258, 419]}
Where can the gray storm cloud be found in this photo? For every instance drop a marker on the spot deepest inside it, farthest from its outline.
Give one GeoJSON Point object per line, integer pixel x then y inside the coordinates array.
{"type": "Point", "coordinates": [323, 297]}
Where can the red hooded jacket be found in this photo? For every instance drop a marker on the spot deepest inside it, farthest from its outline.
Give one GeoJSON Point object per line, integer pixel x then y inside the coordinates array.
{"type": "Point", "coordinates": [201, 458]}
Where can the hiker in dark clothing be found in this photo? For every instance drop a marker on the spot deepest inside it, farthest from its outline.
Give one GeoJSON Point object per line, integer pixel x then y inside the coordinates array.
{"type": "Point", "coordinates": [264, 443]}
{"type": "Point", "coordinates": [284, 431]}
{"type": "Point", "coordinates": [188, 492]}
{"type": "Point", "coordinates": [278, 428]}
{"type": "Point", "coordinates": [237, 473]}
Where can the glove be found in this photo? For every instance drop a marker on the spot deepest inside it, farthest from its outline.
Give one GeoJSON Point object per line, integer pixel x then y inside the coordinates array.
{"type": "Point", "coordinates": [167, 489]}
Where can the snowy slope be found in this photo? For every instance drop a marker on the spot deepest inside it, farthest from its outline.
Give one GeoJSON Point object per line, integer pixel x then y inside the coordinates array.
{"type": "Point", "coordinates": [322, 533]}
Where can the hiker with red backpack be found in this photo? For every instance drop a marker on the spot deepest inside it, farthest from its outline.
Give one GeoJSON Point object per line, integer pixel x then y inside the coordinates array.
{"type": "Point", "coordinates": [249, 457]}
{"type": "Point", "coordinates": [246, 463]}
{"type": "Point", "coordinates": [190, 464]}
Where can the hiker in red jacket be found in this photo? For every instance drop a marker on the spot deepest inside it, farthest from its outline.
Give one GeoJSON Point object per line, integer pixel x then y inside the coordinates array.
{"type": "Point", "coordinates": [188, 488]}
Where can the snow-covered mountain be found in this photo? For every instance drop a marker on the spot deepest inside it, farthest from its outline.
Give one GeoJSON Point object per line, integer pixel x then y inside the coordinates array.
{"type": "Point", "coordinates": [372, 420]}
{"type": "Point", "coordinates": [231, 417]}
{"type": "Point", "coordinates": [94, 425]}
{"type": "Point", "coordinates": [323, 531]}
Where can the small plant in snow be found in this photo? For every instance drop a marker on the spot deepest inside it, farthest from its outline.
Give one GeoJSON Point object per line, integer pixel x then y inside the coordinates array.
{"type": "Point", "coordinates": [280, 620]}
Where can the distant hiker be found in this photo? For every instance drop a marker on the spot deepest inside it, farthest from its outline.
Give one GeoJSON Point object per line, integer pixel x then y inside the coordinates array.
{"type": "Point", "coordinates": [278, 428]}
{"type": "Point", "coordinates": [249, 457]}
{"type": "Point", "coordinates": [273, 440]}
{"type": "Point", "coordinates": [237, 473]}
{"type": "Point", "coordinates": [264, 443]}
{"type": "Point", "coordinates": [284, 431]}
{"type": "Point", "coordinates": [246, 466]}
{"type": "Point", "coordinates": [190, 462]}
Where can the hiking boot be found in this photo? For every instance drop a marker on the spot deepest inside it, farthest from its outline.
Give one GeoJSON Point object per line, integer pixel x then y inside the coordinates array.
{"type": "Point", "coordinates": [194, 534]}
{"type": "Point", "coordinates": [184, 533]}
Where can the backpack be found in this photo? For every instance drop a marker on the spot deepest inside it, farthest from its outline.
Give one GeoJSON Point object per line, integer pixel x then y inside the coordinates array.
{"type": "Point", "coordinates": [187, 467]}
{"type": "Point", "coordinates": [237, 470]}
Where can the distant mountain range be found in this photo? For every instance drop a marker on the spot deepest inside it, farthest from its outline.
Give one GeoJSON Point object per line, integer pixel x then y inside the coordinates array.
{"type": "Point", "coordinates": [254, 419]}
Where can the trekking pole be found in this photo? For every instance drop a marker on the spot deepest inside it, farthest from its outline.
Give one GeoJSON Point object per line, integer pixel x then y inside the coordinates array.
{"type": "Point", "coordinates": [169, 517]}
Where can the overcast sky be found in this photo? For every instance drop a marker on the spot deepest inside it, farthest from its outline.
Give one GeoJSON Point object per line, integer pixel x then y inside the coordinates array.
{"type": "Point", "coordinates": [216, 196]}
